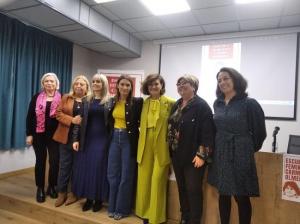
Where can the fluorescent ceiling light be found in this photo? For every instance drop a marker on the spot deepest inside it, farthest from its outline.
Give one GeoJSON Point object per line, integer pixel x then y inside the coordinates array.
{"type": "Point", "coordinates": [165, 7]}
{"type": "Point", "coordinates": [103, 1]}
{"type": "Point", "coordinates": [250, 1]}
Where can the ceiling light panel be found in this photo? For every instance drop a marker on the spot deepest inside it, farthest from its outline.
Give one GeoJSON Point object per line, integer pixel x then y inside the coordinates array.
{"type": "Point", "coordinates": [166, 7]}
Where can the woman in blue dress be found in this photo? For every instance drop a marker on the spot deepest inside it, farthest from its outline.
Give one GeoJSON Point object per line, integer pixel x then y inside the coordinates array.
{"type": "Point", "coordinates": [240, 126]}
{"type": "Point", "coordinates": [90, 142]}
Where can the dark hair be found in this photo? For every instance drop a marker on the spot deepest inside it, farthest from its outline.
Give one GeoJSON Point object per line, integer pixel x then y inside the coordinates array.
{"type": "Point", "coordinates": [127, 77]}
{"type": "Point", "coordinates": [151, 78]}
{"type": "Point", "coordinates": [239, 82]}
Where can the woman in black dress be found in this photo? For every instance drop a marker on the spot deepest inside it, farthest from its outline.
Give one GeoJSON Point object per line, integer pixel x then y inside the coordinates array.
{"type": "Point", "coordinates": [91, 146]}
{"type": "Point", "coordinates": [240, 126]}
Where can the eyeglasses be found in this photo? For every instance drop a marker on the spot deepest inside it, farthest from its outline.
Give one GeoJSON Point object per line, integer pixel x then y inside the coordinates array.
{"type": "Point", "coordinates": [179, 84]}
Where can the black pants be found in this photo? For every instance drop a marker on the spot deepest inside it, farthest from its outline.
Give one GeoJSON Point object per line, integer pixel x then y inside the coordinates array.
{"type": "Point", "coordinates": [244, 207]}
{"type": "Point", "coordinates": [65, 166]}
{"type": "Point", "coordinates": [41, 144]}
{"type": "Point", "coordinates": [189, 182]}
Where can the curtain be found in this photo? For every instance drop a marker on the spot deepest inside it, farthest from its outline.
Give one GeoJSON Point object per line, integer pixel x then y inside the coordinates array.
{"type": "Point", "coordinates": [26, 53]}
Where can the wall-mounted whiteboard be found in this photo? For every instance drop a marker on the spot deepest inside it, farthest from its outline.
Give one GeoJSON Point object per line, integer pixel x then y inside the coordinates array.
{"type": "Point", "coordinates": [269, 63]}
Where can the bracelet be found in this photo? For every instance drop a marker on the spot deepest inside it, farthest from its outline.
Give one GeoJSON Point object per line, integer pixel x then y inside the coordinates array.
{"type": "Point", "coordinates": [202, 155]}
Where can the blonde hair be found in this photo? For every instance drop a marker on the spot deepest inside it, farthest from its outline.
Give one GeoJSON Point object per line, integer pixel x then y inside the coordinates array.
{"type": "Point", "coordinates": [88, 88]}
{"type": "Point", "coordinates": [191, 79]}
{"type": "Point", "coordinates": [104, 90]}
{"type": "Point", "coordinates": [52, 75]}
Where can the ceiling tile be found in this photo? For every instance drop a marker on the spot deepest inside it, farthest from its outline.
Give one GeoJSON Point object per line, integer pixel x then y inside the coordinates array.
{"type": "Point", "coordinates": [221, 28]}
{"type": "Point", "coordinates": [291, 7]}
{"type": "Point", "coordinates": [216, 15]}
{"type": "Point", "coordinates": [127, 9]}
{"type": "Point", "coordinates": [82, 36]}
{"type": "Point", "coordinates": [257, 24]}
{"type": "Point", "coordinates": [140, 36]}
{"type": "Point", "coordinates": [74, 26]}
{"type": "Point", "coordinates": [179, 20]}
{"type": "Point", "coordinates": [258, 11]}
{"type": "Point", "coordinates": [287, 21]}
{"type": "Point", "coordinates": [198, 4]}
{"type": "Point", "coordinates": [158, 34]}
{"type": "Point", "coordinates": [105, 46]}
{"type": "Point", "coordinates": [146, 24]}
{"type": "Point", "coordinates": [125, 26]}
{"type": "Point", "coordinates": [6, 6]}
{"type": "Point", "coordinates": [187, 31]}
{"type": "Point", "coordinates": [105, 12]}
{"type": "Point", "coordinates": [42, 16]}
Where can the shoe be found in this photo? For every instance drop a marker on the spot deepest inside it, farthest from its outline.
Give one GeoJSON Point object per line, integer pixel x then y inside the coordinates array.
{"type": "Point", "coordinates": [40, 195]}
{"type": "Point", "coordinates": [97, 206]}
{"type": "Point", "coordinates": [87, 205]}
{"type": "Point", "coordinates": [62, 197]}
{"type": "Point", "coordinates": [111, 214]}
{"type": "Point", "coordinates": [51, 192]}
{"type": "Point", "coordinates": [119, 216]}
{"type": "Point", "coordinates": [71, 198]}
{"type": "Point", "coordinates": [145, 221]}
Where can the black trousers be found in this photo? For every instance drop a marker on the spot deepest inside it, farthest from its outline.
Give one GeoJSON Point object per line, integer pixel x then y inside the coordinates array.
{"type": "Point", "coordinates": [65, 166]}
{"type": "Point", "coordinates": [189, 182]}
{"type": "Point", "coordinates": [244, 208]}
{"type": "Point", "coordinates": [41, 144]}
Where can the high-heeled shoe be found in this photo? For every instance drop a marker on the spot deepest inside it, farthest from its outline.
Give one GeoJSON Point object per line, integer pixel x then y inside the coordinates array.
{"type": "Point", "coordinates": [97, 206]}
{"type": "Point", "coordinates": [87, 205]}
{"type": "Point", "coordinates": [40, 195]}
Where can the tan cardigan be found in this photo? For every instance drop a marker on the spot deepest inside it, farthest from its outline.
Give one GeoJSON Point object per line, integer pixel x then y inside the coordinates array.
{"type": "Point", "coordinates": [64, 115]}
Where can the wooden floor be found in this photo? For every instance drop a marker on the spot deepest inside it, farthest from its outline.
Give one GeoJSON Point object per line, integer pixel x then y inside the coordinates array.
{"type": "Point", "coordinates": [18, 205]}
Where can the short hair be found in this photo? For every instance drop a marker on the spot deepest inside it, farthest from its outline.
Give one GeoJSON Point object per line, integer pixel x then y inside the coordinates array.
{"type": "Point", "coordinates": [191, 79]}
{"type": "Point", "coordinates": [88, 92]}
{"type": "Point", "coordinates": [127, 77]}
{"type": "Point", "coordinates": [104, 91]}
{"type": "Point", "coordinates": [239, 82]}
{"type": "Point", "coordinates": [50, 74]}
{"type": "Point", "coordinates": [151, 78]}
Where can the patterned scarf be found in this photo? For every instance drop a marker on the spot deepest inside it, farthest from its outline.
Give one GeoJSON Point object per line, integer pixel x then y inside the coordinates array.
{"type": "Point", "coordinates": [40, 109]}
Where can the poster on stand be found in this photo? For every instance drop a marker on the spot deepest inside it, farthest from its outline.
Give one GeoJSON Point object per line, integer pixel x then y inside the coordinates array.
{"type": "Point", "coordinates": [291, 177]}
{"type": "Point", "coordinates": [113, 75]}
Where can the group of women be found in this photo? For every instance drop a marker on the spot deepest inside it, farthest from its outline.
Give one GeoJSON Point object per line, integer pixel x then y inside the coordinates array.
{"type": "Point", "coordinates": [119, 149]}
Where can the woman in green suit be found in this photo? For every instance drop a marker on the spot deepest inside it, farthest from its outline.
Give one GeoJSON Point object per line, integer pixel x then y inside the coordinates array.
{"type": "Point", "coordinates": [153, 153]}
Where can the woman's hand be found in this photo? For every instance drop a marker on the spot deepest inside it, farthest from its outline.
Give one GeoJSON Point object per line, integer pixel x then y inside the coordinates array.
{"type": "Point", "coordinates": [29, 140]}
{"type": "Point", "coordinates": [198, 162]}
{"type": "Point", "coordinates": [76, 146]}
{"type": "Point", "coordinates": [76, 119]}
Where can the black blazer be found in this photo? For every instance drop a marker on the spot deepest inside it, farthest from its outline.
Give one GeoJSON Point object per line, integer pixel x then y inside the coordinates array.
{"type": "Point", "coordinates": [196, 128]}
{"type": "Point", "coordinates": [133, 111]}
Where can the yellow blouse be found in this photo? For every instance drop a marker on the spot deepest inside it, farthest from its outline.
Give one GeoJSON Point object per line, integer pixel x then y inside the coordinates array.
{"type": "Point", "coordinates": [153, 113]}
{"type": "Point", "coordinates": [119, 115]}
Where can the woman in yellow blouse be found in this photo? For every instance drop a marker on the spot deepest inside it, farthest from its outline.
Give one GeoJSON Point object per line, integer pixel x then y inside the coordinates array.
{"type": "Point", "coordinates": [153, 152]}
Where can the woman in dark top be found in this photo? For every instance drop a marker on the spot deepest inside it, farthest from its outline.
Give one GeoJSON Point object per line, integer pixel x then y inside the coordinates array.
{"type": "Point", "coordinates": [123, 118]}
{"type": "Point", "coordinates": [240, 126]}
{"type": "Point", "coordinates": [69, 114]}
{"type": "Point", "coordinates": [191, 137]}
{"type": "Point", "coordinates": [40, 126]}
{"type": "Point", "coordinates": [90, 143]}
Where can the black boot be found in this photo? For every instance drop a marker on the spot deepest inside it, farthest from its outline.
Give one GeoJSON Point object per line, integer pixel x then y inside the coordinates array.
{"type": "Point", "coordinates": [97, 206]}
{"type": "Point", "coordinates": [51, 192]}
{"type": "Point", "coordinates": [87, 205]}
{"type": "Point", "coordinates": [40, 195]}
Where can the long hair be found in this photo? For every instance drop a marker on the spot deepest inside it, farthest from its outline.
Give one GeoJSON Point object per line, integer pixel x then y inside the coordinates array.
{"type": "Point", "coordinates": [239, 82]}
{"type": "Point", "coordinates": [104, 90]}
{"type": "Point", "coordinates": [88, 88]}
{"type": "Point", "coordinates": [127, 77]}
